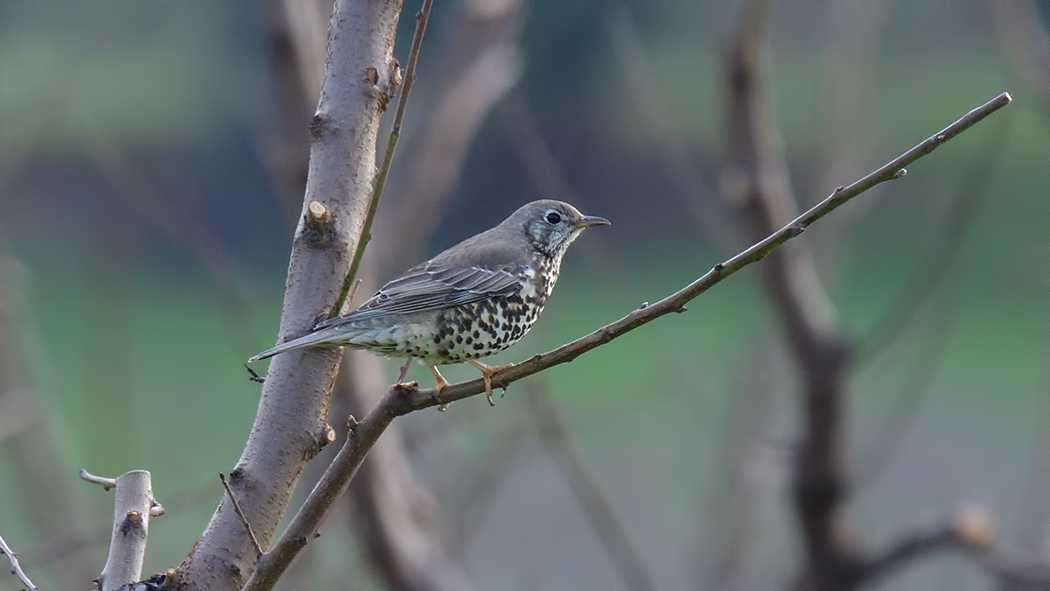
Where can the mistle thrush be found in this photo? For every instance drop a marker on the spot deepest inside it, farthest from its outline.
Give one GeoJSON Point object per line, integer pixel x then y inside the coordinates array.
{"type": "Point", "coordinates": [473, 300]}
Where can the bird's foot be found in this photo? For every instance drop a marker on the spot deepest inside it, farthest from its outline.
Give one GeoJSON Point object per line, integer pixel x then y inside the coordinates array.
{"type": "Point", "coordinates": [442, 383]}
{"type": "Point", "coordinates": [487, 371]}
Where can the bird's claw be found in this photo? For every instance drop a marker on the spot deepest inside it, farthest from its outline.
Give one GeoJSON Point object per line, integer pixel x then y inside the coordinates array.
{"type": "Point", "coordinates": [487, 372]}
{"type": "Point", "coordinates": [441, 384]}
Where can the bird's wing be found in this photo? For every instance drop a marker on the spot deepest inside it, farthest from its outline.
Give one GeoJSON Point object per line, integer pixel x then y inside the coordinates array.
{"type": "Point", "coordinates": [433, 286]}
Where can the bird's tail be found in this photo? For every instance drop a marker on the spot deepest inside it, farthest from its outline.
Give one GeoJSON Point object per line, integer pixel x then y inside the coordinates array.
{"type": "Point", "coordinates": [331, 336]}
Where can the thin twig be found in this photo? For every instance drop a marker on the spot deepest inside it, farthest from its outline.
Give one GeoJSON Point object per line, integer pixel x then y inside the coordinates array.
{"type": "Point", "coordinates": [400, 400]}
{"type": "Point", "coordinates": [422, 18]}
{"type": "Point", "coordinates": [16, 569]}
{"type": "Point", "coordinates": [106, 483]}
{"type": "Point", "coordinates": [240, 513]}
{"type": "Point", "coordinates": [584, 486]}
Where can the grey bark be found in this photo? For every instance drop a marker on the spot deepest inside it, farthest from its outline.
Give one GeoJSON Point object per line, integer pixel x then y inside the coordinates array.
{"type": "Point", "coordinates": [291, 421]}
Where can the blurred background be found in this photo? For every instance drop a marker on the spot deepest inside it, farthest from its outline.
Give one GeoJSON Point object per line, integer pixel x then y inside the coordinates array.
{"type": "Point", "coordinates": [152, 159]}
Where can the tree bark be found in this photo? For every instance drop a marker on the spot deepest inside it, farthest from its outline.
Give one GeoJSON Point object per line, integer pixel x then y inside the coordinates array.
{"type": "Point", "coordinates": [291, 423]}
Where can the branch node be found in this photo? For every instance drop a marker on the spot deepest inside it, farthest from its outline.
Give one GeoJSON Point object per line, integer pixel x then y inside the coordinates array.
{"type": "Point", "coordinates": [317, 214]}
{"type": "Point", "coordinates": [839, 189]}
{"type": "Point", "coordinates": [718, 268]}
{"type": "Point", "coordinates": [681, 310]}
{"type": "Point", "coordinates": [240, 513]}
{"type": "Point", "coordinates": [974, 526]}
{"type": "Point", "coordinates": [327, 437]}
{"type": "Point", "coordinates": [371, 76]}
{"type": "Point", "coordinates": [318, 232]}
{"type": "Point", "coordinates": [351, 424]}
{"type": "Point", "coordinates": [318, 125]}
{"type": "Point", "coordinates": [643, 306]}
{"type": "Point", "coordinates": [900, 173]}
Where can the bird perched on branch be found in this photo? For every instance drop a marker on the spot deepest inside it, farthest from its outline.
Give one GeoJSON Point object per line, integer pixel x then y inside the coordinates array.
{"type": "Point", "coordinates": [473, 300]}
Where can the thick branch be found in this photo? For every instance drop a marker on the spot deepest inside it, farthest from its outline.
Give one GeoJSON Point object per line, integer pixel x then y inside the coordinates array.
{"type": "Point", "coordinates": [399, 400]}
{"type": "Point", "coordinates": [291, 421]}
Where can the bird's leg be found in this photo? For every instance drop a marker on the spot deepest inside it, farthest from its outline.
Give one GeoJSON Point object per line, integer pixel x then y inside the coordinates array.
{"type": "Point", "coordinates": [487, 371]}
{"type": "Point", "coordinates": [442, 383]}
{"type": "Point", "coordinates": [404, 372]}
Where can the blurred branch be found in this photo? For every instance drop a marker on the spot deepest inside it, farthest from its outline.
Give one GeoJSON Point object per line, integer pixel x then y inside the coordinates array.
{"type": "Point", "coordinates": [142, 197]}
{"type": "Point", "coordinates": [1019, 26]}
{"type": "Point", "coordinates": [757, 180]}
{"type": "Point", "coordinates": [894, 429]}
{"type": "Point", "coordinates": [699, 197]}
{"type": "Point", "coordinates": [746, 478]}
{"type": "Point", "coordinates": [16, 568]}
{"type": "Point", "coordinates": [900, 313]}
{"type": "Point", "coordinates": [851, 36]}
{"type": "Point", "coordinates": [550, 181]}
{"type": "Point", "coordinates": [477, 495]}
{"type": "Point", "coordinates": [37, 467]}
{"type": "Point", "coordinates": [295, 31]}
{"type": "Point", "coordinates": [133, 505]}
{"type": "Point", "coordinates": [481, 64]}
{"type": "Point", "coordinates": [971, 528]}
{"type": "Point", "coordinates": [554, 435]}
{"type": "Point", "coordinates": [291, 422]}
{"type": "Point", "coordinates": [1034, 509]}
{"type": "Point", "coordinates": [400, 400]}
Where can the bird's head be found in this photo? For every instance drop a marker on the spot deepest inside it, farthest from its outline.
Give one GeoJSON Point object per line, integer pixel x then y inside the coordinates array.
{"type": "Point", "coordinates": [551, 226]}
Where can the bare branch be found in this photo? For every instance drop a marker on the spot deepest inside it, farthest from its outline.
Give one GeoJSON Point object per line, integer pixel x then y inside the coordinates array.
{"type": "Point", "coordinates": [403, 400]}
{"type": "Point", "coordinates": [16, 568]}
{"type": "Point", "coordinates": [133, 505]}
{"type": "Point", "coordinates": [589, 495]}
{"type": "Point", "coordinates": [419, 399]}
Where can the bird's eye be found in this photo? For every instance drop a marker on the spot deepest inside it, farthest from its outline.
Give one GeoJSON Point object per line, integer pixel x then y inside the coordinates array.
{"type": "Point", "coordinates": [553, 217]}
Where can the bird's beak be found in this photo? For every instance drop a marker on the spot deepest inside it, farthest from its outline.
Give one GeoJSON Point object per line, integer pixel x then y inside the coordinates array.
{"type": "Point", "coordinates": [591, 220]}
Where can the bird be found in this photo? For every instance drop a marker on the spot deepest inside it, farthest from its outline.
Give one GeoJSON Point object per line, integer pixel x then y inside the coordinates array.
{"type": "Point", "coordinates": [473, 300]}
